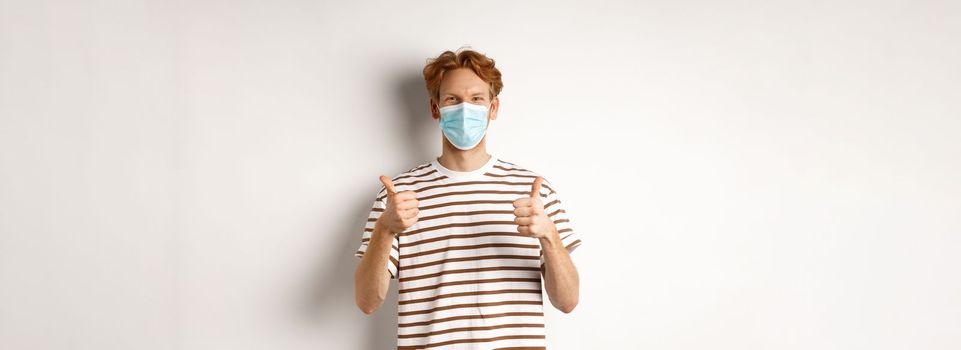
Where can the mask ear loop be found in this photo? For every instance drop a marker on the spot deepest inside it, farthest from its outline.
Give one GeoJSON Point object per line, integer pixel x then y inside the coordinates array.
{"type": "Point", "coordinates": [490, 122]}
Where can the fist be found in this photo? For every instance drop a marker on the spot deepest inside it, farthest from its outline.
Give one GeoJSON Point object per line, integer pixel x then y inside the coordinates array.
{"type": "Point", "coordinates": [529, 214]}
{"type": "Point", "coordinates": [401, 211]}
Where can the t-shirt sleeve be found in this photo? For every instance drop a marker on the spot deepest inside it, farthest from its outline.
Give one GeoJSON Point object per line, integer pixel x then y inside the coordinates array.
{"type": "Point", "coordinates": [393, 264]}
{"type": "Point", "coordinates": [557, 211]}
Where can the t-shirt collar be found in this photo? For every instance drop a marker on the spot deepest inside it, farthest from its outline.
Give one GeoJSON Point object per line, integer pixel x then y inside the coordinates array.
{"type": "Point", "coordinates": [462, 175]}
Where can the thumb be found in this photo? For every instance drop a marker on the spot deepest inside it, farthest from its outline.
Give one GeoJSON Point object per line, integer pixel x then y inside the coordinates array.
{"type": "Point", "coordinates": [536, 187]}
{"type": "Point", "coordinates": [389, 185]}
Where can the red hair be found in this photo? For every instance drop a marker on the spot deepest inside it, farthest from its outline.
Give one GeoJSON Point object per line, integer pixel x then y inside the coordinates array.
{"type": "Point", "coordinates": [482, 65]}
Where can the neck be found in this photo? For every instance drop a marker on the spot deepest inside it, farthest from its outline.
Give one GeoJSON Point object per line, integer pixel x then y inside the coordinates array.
{"type": "Point", "coordinates": [459, 160]}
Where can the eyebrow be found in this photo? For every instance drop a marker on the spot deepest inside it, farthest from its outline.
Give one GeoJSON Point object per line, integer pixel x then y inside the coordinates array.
{"type": "Point", "coordinates": [472, 94]}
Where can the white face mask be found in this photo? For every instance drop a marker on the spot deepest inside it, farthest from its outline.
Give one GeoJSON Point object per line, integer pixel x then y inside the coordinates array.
{"type": "Point", "coordinates": [464, 124]}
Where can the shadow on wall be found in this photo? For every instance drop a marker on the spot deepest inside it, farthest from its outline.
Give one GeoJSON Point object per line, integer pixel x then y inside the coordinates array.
{"type": "Point", "coordinates": [330, 293]}
{"type": "Point", "coordinates": [422, 132]}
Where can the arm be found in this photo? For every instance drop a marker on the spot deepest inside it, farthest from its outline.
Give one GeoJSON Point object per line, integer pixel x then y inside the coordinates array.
{"type": "Point", "coordinates": [371, 279]}
{"type": "Point", "coordinates": [560, 276]}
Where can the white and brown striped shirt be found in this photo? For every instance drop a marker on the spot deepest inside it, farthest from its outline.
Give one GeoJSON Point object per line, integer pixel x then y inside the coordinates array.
{"type": "Point", "coordinates": [467, 278]}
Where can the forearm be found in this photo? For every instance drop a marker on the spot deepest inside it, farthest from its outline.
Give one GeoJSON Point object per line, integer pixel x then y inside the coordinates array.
{"type": "Point", "coordinates": [371, 279]}
{"type": "Point", "coordinates": [560, 276]}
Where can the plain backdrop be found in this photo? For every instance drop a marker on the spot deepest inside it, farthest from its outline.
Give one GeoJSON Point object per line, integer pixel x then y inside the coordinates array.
{"type": "Point", "coordinates": [194, 175]}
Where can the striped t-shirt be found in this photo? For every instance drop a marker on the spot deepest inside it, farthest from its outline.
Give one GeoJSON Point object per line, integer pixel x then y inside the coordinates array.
{"type": "Point", "coordinates": [466, 278]}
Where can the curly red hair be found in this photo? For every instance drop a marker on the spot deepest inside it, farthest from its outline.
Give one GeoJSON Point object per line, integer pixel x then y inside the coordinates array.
{"type": "Point", "coordinates": [482, 65]}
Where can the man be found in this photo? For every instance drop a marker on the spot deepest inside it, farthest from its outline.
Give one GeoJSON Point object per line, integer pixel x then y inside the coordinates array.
{"type": "Point", "coordinates": [470, 237]}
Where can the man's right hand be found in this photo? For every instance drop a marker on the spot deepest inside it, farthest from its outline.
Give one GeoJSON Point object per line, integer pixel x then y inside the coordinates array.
{"type": "Point", "coordinates": [401, 211]}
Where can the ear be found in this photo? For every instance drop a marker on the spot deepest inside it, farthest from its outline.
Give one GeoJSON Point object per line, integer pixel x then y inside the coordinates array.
{"type": "Point", "coordinates": [434, 110]}
{"type": "Point", "coordinates": [494, 104]}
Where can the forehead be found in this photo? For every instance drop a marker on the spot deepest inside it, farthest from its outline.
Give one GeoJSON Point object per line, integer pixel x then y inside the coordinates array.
{"type": "Point", "coordinates": [463, 81]}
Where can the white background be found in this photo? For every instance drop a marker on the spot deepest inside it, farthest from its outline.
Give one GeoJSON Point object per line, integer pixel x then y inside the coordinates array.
{"type": "Point", "coordinates": [745, 174]}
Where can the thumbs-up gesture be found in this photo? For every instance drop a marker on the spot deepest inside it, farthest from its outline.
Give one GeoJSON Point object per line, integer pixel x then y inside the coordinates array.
{"type": "Point", "coordinates": [529, 214]}
{"type": "Point", "coordinates": [401, 211]}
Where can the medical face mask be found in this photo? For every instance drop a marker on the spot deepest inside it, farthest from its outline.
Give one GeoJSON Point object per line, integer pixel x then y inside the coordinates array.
{"type": "Point", "coordinates": [464, 124]}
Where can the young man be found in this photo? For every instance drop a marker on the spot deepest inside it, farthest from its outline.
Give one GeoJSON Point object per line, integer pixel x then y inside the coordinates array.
{"type": "Point", "coordinates": [470, 237]}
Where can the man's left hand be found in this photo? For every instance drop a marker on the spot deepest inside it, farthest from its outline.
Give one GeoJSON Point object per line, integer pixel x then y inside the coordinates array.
{"type": "Point", "coordinates": [530, 217]}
